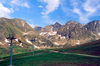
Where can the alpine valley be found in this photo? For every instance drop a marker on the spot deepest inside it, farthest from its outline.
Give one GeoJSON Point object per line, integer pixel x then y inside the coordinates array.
{"type": "Point", "coordinates": [52, 36]}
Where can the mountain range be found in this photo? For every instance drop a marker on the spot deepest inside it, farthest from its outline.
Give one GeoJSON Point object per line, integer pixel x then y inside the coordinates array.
{"type": "Point", "coordinates": [72, 33]}
{"type": "Point", "coordinates": [52, 36]}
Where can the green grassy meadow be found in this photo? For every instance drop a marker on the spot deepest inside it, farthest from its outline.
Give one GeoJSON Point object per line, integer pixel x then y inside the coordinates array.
{"type": "Point", "coordinates": [48, 58]}
{"type": "Point", "coordinates": [83, 55]}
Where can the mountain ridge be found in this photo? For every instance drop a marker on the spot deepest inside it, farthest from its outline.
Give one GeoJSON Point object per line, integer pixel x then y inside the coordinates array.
{"type": "Point", "coordinates": [52, 36]}
{"type": "Point", "coordinates": [71, 32]}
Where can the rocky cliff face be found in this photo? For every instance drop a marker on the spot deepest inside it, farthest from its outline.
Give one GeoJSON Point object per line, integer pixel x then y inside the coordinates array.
{"type": "Point", "coordinates": [72, 33]}
{"type": "Point", "coordinates": [73, 30]}
{"type": "Point", "coordinates": [56, 26]}
{"type": "Point", "coordinates": [37, 28]}
{"type": "Point", "coordinates": [93, 26]}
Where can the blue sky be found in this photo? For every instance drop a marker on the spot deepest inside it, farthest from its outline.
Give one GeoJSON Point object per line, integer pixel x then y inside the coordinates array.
{"type": "Point", "coordinates": [46, 12]}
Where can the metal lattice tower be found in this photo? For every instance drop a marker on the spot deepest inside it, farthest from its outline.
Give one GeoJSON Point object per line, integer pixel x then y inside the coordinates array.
{"type": "Point", "coordinates": [33, 45]}
{"type": "Point", "coordinates": [11, 37]}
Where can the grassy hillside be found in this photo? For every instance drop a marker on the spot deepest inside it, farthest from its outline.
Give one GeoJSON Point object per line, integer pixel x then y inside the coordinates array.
{"type": "Point", "coordinates": [16, 26]}
{"type": "Point", "coordinates": [76, 56]}
{"type": "Point", "coordinates": [16, 50]}
{"type": "Point", "coordinates": [92, 48]}
{"type": "Point", "coordinates": [46, 58]}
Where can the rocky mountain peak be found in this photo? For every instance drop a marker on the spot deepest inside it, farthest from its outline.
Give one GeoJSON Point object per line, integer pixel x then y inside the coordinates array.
{"type": "Point", "coordinates": [71, 22]}
{"type": "Point", "coordinates": [47, 29]}
{"type": "Point", "coordinates": [96, 22]}
{"type": "Point", "coordinates": [57, 24]}
{"type": "Point", "coordinates": [38, 28]}
{"type": "Point", "coordinates": [93, 26]}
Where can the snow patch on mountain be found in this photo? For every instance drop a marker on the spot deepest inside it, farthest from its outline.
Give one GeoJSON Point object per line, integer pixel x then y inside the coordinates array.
{"type": "Point", "coordinates": [21, 45]}
{"type": "Point", "coordinates": [31, 43]}
{"type": "Point", "coordinates": [36, 47]}
{"type": "Point", "coordinates": [41, 42]}
{"type": "Point", "coordinates": [51, 33]}
{"type": "Point", "coordinates": [56, 43]}
{"type": "Point", "coordinates": [23, 24]}
{"type": "Point", "coordinates": [99, 34]}
{"type": "Point", "coordinates": [0, 43]}
{"type": "Point", "coordinates": [16, 40]}
{"type": "Point", "coordinates": [43, 33]}
{"type": "Point", "coordinates": [61, 37]}
{"type": "Point", "coordinates": [78, 42]}
{"type": "Point", "coordinates": [6, 40]}
{"type": "Point", "coordinates": [25, 33]}
{"type": "Point", "coordinates": [28, 41]}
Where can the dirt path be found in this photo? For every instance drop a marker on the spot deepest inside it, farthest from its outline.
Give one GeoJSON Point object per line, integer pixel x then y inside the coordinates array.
{"type": "Point", "coordinates": [76, 54]}
{"type": "Point", "coordinates": [82, 55]}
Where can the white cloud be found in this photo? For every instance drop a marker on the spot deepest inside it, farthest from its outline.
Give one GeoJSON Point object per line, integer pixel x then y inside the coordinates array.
{"type": "Point", "coordinates": [48, 7]}
{"type": "Point", "coordinates": [26, 5]}
{"type": "Point", "coordinates": [82, 18]}
{"type": "Point", "coordinates": [76, 10]}
{"type": "Point", "coordinates": [91, 6]}
{"type": "Point", "coordinates": [40, 6]}
{"type": "Point", "coordinates": [81, 9]}
{"type": "Point", "coordinates": [4, 11]}
{"type": "Point", "coordinates": [21, 3]}
{"type": "Point", "coordinates": [51, 6]}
